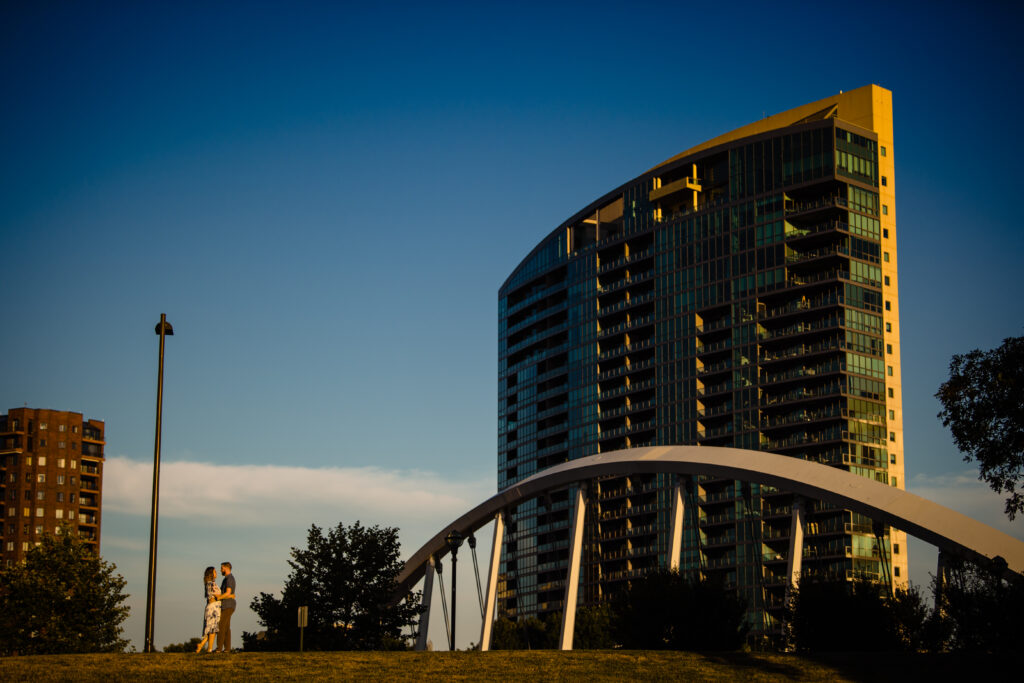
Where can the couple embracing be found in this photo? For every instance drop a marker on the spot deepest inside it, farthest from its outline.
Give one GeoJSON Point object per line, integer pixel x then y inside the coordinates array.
{"type": "Point", "coordinates": [220, 605]}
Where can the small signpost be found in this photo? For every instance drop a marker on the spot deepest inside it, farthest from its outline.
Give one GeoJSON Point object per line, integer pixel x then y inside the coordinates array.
{"type": "Point", "coordinates": [303, 622]}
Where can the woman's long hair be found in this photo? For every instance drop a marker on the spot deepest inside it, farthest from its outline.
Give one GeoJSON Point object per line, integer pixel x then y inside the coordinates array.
{"type": "Point", "coordinates": [209, 575]}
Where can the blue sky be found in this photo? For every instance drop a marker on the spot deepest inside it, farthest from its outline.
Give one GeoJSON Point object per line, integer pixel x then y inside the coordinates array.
{"type": "Point", "coordinates": [324, 199]}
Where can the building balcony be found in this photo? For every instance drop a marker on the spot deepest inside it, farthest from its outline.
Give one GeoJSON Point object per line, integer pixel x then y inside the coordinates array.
{"type": "Point", "coordinates": [631, 408]}
{"type": "Point", "coordinates": [644, 530]}
{"type": "Point", "coordinates": [633, 324]}
{"type": "Point", "coordinates": [623, 349]}
{"type": "Point", "coordinates": [537, 317]}
{"type": "Point", "coordinates": [802, 373]}
{"type": "Point", "coordinates": [625, 389]}
{"type": "Point", "coordinates": [628, 303]}
{"type": "Point", "coordinates": [716, 347]}
{"type": "Point", "coordinates": [625, 260]}
{"type": "Point", "coordinates": [628, 511]}
{"type": "Point", "coordinates": [801, 328]}
{"type": "Point", "coordinates": [625, 369]}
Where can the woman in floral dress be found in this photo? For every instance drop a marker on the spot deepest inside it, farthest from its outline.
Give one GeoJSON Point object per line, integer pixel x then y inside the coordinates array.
{"type": "Point", "coordinates": [211, 617]}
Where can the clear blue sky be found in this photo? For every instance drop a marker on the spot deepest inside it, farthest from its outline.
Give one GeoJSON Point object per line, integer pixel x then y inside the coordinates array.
{"type": "Point", "coordinates": [325, 198]}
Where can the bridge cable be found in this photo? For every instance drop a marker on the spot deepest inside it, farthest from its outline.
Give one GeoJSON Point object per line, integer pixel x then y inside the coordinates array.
{"type": "Point", "coordinates": [476, 573]}
{"type": "Point", "coordinates": [444, 603]}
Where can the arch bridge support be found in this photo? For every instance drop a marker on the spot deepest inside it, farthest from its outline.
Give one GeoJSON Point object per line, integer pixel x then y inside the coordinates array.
{"type": "Point", "coordinates": [951, 531]}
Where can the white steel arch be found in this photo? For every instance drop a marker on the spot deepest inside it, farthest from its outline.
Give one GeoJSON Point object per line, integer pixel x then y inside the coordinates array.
{"type": "Point", "coordinates": [949, 530]}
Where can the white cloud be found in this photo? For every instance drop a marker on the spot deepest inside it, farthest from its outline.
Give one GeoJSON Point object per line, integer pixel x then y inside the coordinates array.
{"type": "Point", "coordinates": [252, 495]}
{"type": "Point", "coordinates": [963, 492]}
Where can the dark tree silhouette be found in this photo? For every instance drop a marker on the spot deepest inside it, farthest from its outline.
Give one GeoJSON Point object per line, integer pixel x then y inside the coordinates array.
{"type": "Point", "coordinates": [983, 406]}
{"type": "Point", "coordinates": [346, 579]}
{"type": "Point", "coordinates": [665, 610]}
{"type": "Point", "coordinates": [62, 599]}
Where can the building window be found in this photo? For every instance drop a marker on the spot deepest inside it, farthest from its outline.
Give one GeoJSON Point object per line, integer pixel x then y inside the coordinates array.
{"type": "Point", "coordinates": [74, 429]}
{"type": "Point", "coordinates": [885, 181]}
{"type": "Point", "coordinates": [28, 495]}
{"type": "Point", "coordinates": [885, 232]}
{"type": "Point", "coordinates": [888, 306]}
{"type": "Point", "coordinates": [886, 280]}
{"type": "Point", "coordinates": [74, 464]}
{"type": "Point", "coordinates": [39, 530]}
{"type": "Point", "coordinates": [885, 212]}
{"type": "Point", "coordinates": [888, 327]}
{"type": "Point", "coordinates": [894, 482]}
{"type": "Point", "coordinates": [10, 546]}
{"type": "Point", "coordinates": [42, 426]}
{"type": "Point", "coordinates": [892, 414]}
{"type": "Point", "coordinates": [41, 461]}
{"type": "Point", "coordinates": [40, 495]}
{"type": "Point", "coordinates": [24, 546]}
{"type": "Point", "coordinates": [885, 256]}
{"type": "Point", "coordinates": [28, 461]}
{"type": "Point", "coordinates": [40, 512]}
{"type": "Point", "coordinates": [60, 513]}
{"type": "Point", "coordinates": [892, 458]}
{"type": "Point", "coordinates": [60, 479]}
{"type": "Point", "coordinates": [890, 393]}
{"type": "Point", "coordinates": [888, 348]}
{"type": "Point", "coordinates": [62, 428]}
{"type": "Point", "coordinates": [41, 478]}
{"type": "Point", "coordinates": [889, 370]}
{"type": "Point", "coordinates": [62, 444]}
{"type": "Point", "coordinates": [72, 499]}
{"type": "Point", "coordinates": [26, 512]}
{"type": "Point", "coordinates": [892, 436]}
{"type": "Point", "coordinates": [28, 477]}
{"type": "Point", "coordinates": [42, 443]}
{"type": "Point", "coordinates": [881, 150]}
{"type": "Point", "coordinates": [60, 461]}
{"type": "Point", "coordinates": [60, 496]}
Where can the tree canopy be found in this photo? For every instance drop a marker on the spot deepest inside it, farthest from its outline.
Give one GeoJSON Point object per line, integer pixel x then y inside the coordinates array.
{"type": "Point", "coordinates": [62, 599]}
{"type": "Point", "coordinates": [346, 578]}
{"type": "Point", "coordinates": [983, 406]}
{"type": "Point", "coordinates": [657, 613]}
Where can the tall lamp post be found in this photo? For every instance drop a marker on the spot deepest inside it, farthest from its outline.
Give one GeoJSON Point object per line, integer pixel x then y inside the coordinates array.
{"type": "Point", "coordinates": [454, 539]}
{"type": "Point", "coordinates": [163, 328]}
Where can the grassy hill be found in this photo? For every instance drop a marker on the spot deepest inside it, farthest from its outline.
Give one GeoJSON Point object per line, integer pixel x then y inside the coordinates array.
{"type": "Point", "coordinates": [533, 666]}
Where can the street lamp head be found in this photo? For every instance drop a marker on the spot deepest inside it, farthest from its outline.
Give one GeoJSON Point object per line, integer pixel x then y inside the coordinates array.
{"type": "Point", "coordinates": [167, 329]}
{"type": "Point", "coordinates": [454, 539]}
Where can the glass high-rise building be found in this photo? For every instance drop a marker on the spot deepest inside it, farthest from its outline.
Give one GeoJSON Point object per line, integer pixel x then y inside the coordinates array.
{"type": "Point", "coordinates": [742, 293]}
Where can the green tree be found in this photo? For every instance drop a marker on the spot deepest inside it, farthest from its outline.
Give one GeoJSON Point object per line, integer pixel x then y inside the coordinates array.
{"type": "Point", "coordinates": [526, 633]}
{"type": "Point", "coordinates": [189, 645]}
{"type": "Point", "coordinates": [61, 599]}
{"type": "Point", "coordinates": [983, 406]}
{"type": "Point", "coordinates": [594, 628]}
{"type": "Point", "coordinates": [346, 579]}
{"type": "Point", "coordinates": [665, 610]}
{"type": "Point", "coordinates": [872, 620]}
{"type": "Point", "coordinates": [979, 608]}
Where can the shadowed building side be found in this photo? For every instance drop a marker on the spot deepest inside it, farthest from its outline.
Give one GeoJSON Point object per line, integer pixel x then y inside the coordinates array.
{"type": "Point", "coordinates": [742, 294]}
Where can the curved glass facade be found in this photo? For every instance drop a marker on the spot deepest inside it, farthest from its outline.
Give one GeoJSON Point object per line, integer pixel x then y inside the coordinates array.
{"type": "Point", "coordinates": [741, 294]}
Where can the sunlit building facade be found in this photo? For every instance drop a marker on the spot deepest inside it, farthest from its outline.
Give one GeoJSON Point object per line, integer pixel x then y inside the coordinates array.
{"type": "Point", "coordinates": [742, 293]}
{"type": "Point", "coordinates": [51, 474]}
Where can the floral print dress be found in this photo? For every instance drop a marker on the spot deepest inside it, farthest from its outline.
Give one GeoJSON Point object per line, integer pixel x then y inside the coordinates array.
{"type": "Point", "coordinates": [211, 618]}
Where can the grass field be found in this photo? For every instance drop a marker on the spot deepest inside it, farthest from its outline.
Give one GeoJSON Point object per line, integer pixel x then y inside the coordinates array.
{"type": "Point", "coordinates": [532, 666]}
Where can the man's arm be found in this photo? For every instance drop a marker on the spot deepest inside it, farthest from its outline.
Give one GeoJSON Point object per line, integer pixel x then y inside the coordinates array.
{"type": "Point", "coordinates": [229, 591]}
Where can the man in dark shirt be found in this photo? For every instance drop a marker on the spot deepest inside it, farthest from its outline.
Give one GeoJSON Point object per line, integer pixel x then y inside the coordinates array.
{"type": "Point", "coordinates": [227, 608]}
